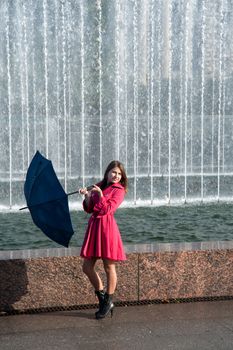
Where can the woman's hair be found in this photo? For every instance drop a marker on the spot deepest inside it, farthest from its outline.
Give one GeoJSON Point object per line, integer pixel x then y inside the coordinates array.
{"type": "Point", "coordinates": [115, 164]}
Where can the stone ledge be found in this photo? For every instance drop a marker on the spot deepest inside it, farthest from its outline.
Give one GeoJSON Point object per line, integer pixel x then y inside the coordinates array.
{"type": "Point", "coordinates": [130, 248]}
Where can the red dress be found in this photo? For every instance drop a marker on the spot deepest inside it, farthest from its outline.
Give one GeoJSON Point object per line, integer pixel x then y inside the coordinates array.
{"type": "Point", "coordinates": [102, 238]}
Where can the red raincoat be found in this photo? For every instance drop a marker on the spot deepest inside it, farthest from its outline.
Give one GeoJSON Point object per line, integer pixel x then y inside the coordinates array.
{"type": "Point", "coordinates": [102, 238]}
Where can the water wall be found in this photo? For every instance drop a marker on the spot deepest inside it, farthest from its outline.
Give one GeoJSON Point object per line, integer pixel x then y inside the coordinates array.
{"type": "Point", "coordinates": [147, 82]}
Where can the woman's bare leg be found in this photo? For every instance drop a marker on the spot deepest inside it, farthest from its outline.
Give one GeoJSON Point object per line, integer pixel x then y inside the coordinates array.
{"type": "Point", "coordinates": [89, 270]}
{"type": "Point", "coordinates": [110, 269]}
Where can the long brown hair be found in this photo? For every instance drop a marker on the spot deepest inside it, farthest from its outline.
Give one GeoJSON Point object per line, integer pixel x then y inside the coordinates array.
{"type": "Point", "coordinates": [115, 164]}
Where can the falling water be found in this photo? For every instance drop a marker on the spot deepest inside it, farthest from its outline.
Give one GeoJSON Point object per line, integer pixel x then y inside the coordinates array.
{"type": "Point", "coordinates": [151, 100]}
{"type": "Point", "coordinates": [22, 90]}
{"type": "Point", "coordinates": [25, 58]}
{"type": "Point", "coordinates": [159, 84]}
{"type": "Point", "coordinates": [223, 77]}
{"type": "Point", "coordinates": [82, 96]}
{"type": "Point", "coordinates": [33, 122]}
{"type": "Point", "coordinates": [57, 86]}
{"type": "Point", "coordinates": [125, 85]}
{"type": "Point", "coordinates": [186, 98]}
{"type": "Point", "coordinates": [148, 82]}
{"type": "Point", "coordinates": [202, 94]}
{"type": "Point", "coordinates": [213, 92]}
{"type": "Point", "coordinates": [220, 96]}
{"type": "Point", "coordinates": [169, 34]}
{"type": "Point", "coordinates": [69, 88]}
{"type": "Point", "coordinates": [191, 125]}
{"type": "Point", "coordinates": [135, 96]}
{"type": "Point", "coordinates": [64, 74]}
{"type": "Point", "coordinates": [99, 8]}
{"type": "Point", "coordinates": [182, 91]}
{"type": "Point", "coordinates": [9, 109]}
{"type": "Point", "coordinates": [46, 78]}
{"type": "Point", "coordinates": [117, 59]}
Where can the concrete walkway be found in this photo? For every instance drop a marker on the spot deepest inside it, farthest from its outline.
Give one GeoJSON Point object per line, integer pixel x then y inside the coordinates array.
{"type": "Point", "coordinates": [198, 325]}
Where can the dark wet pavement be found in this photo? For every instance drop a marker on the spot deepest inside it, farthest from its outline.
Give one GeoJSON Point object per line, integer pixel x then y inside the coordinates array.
{"type": "Point", "coordinates": [197, 325]}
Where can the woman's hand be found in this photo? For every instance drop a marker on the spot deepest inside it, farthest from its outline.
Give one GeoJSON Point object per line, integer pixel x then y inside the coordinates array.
{"type": "Point", "coordinates": [98, 190]}
{"type": "Point", "coordinates": [87, 192]}
{"type": "Point", "coordinates": [83, 191]}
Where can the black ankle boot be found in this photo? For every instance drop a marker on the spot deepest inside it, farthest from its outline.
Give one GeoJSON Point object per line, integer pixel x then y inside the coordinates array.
{"type": "Point", "coordinates": [100, 295]}
{"type": "Point", "coordinates": [106, 307]}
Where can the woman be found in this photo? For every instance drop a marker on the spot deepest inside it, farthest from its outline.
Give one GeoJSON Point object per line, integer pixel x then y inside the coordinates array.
{"type": "Point", "coordinates": [102, 239]}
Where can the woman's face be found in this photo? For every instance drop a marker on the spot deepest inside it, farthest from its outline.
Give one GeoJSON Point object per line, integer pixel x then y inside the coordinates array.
{"type": "Point", "coordinates": [114, 175]}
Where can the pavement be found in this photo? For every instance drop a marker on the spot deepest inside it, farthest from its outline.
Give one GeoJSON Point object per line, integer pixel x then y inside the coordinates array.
{"type": "Point", "coordinates": [196, 325]}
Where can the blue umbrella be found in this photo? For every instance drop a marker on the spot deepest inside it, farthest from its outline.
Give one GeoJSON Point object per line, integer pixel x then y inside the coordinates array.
{"type": "Point", "coordinates": [47, 200]}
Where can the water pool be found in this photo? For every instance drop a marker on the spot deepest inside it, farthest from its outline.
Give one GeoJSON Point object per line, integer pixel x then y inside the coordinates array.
{"type": "Point", "coordinates": [184, 223]}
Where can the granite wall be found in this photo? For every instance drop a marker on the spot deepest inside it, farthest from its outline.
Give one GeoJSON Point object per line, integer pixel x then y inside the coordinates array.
{"type": "Point", "coordinates": [53, 278]}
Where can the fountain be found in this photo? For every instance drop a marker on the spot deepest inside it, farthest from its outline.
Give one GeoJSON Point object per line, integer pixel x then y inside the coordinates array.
{"type": "Point", "coordinates": [147, 82]}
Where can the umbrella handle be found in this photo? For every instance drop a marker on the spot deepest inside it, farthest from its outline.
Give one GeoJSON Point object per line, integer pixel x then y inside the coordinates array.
{"type": "Point", "coordinates": [68, 194]}
{"type": "Point", "coordinates": [88, 189]}
{"type": "Point", "coordinates": [23, 208]}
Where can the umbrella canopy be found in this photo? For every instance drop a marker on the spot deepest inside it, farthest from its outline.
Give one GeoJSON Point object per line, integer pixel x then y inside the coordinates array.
{"type": "Point", "coordinates": [47, 200]}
